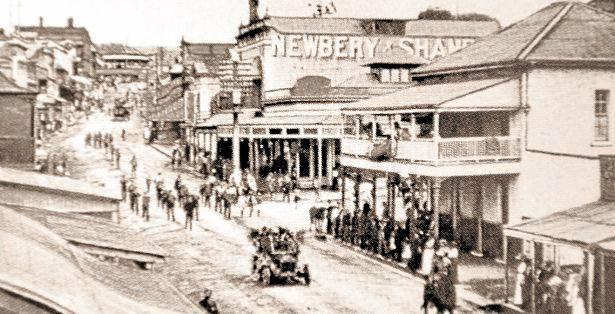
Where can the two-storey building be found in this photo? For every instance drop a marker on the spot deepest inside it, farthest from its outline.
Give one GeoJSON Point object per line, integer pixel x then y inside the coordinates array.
{"type": "Point", "coordinates": [507, 128]}
{"type": "Point", "coordinates": [306, 68]}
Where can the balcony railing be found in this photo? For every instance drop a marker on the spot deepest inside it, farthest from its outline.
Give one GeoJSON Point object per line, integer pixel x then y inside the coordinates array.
{"type": "Point", "coordinates": [444, 150]}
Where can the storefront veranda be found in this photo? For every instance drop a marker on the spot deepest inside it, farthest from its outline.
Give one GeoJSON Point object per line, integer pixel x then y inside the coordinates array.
{"type": "Point", "coordinates": [564, 261]}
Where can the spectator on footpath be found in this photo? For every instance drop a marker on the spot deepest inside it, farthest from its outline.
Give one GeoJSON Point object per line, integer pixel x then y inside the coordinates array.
{"type": "Point", "coordinates": [286, 188]}
{"type": "Point", "coordinates": [329, 216]}
{"type": "Point", "coordinates": [145, 206]}
{"type": "Point", "coordinates": [123, 135]}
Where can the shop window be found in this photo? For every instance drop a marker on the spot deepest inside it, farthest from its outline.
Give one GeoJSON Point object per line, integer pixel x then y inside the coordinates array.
{"type": "Point", "coordinates": [601, 120]}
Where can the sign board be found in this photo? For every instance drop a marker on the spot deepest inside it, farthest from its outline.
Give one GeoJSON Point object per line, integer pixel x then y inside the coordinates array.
{"type": "Point", "coordinates": [361, 47]}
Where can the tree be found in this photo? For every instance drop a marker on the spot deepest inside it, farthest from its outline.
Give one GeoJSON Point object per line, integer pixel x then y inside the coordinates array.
{"type": "Point", "coordinates": [442, 14]}
{"type": "Point", "coordinates": [475, 17]}
{"type": "Point", "coordinates": [436, 14]}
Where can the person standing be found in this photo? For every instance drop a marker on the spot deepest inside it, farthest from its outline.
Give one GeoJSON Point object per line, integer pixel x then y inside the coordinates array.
{"type": "Point", "coordinates": [134, 198]}
{"type": "Point", "coordinates": [170, 204]}
{"type": "Point", "coordinates": [189, 207]}
{"type": "Point", "coordinates": [145, 206]}
{"type": "Point", "coordinates": [148, 183]}
{"type": "Point", "coordinates": [117, 158]}
{"type": "Point", "coordinates": [124, 186]}
{"type": "Point", "coordinates": [133, 165]}
{"type": "Point", "coordinates": [123, 135]}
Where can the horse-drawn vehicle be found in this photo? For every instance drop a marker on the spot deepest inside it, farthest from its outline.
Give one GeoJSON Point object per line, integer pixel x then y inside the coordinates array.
{"type": "Point", "coordinates": [277, 258]}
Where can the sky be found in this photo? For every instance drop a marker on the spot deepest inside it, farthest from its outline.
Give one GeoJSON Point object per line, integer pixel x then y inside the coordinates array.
{"type": "Point", "coordinates": [165, 22]}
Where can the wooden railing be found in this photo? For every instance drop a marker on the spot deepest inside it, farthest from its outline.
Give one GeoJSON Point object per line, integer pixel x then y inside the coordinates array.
{"type": "Point", "coordinates": [478, 148]}
{"type": "Point", "coordinates": [443, 149]}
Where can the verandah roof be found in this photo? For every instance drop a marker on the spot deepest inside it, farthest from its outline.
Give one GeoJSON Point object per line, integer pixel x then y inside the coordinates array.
{"type": "Point", "coordinates": [494, 93]}
{"type": "Point", "coordinates": [587, 225]}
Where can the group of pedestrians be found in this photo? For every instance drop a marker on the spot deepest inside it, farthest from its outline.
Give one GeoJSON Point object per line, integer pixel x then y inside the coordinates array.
{"type": "Point", "coordinates": [237, 191]}
{"type": "Point", "coordinates": [555, 290]}
{"type": "Point", "coordinates": [106, 141]}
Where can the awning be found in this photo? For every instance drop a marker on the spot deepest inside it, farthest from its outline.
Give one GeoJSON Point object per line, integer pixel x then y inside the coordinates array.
{"type": "Point", "coordinates": [496, 93]}
{"type": "Point", "coordinates": [586, 225]}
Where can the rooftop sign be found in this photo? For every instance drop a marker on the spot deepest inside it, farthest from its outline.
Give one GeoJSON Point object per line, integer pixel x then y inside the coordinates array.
{"type": "Point", "coordinates": [360, 47]}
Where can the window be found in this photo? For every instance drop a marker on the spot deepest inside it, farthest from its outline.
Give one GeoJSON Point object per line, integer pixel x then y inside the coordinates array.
{"type": "Point", "coordinates": [601, 124]}
{"type": "Point", "coordinates": [395, 75]}
{"type": "Point", "coordinates": [385, 76]}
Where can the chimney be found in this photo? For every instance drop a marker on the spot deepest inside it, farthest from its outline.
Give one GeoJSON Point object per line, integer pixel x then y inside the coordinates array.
{"type": "Point", "coordinates": [40, 21]}
{"type": "Point", "coordinates": [70, 22]}
{"type": "Point", "coordinates": [607, 177]}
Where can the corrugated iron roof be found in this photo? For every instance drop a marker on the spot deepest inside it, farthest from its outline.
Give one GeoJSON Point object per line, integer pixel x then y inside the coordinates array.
{"type": "Point", "coordinates": [425, 95]}
{"type": "Point", "coordinates": [37, 261]}
{"type": "Point", "coordinates": [118, 49]}
{"type": "Point", "coordinates": [584, 225]}
{"type": "Point", "coordinates": [90, 230]}
{"type": "Point", "coordinates": [561, 31]}
{"type": "Point", "coordinates": [56, 183]}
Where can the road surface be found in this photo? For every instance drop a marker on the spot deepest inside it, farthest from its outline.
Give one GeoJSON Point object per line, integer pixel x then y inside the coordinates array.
{"type": "Point", "coordinates": [217, 253]}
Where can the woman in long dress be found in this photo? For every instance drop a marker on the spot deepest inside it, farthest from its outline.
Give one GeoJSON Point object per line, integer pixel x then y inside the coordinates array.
{"type": "Point", "coordinates": [519, 280]}
{"type": "Point", "coordinates": [427, 257]}
{"type": "Point", "coordinates": [572, 290]}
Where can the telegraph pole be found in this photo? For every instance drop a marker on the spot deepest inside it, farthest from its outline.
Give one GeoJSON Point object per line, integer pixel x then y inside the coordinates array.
{"type": "Point", "coordinates": [236, 106]}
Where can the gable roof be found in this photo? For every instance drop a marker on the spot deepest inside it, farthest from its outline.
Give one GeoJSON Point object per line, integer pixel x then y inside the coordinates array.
{"type": "Point", "coordinates": [57, 32]}
{"type": "Point", "coordinates": [561, 31]}
{"type": "Point", "coordinates": [118, 49]}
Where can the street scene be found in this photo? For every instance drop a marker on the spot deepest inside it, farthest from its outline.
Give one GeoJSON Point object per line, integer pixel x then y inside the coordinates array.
{"type": "Point", "coordinates": [316, 157]}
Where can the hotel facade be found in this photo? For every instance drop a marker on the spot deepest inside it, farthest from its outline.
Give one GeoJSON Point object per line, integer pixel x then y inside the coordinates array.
{"type": "Point", "coordinates": [301, 71]}
{"type": "Point", "coordinates": [507, 129]}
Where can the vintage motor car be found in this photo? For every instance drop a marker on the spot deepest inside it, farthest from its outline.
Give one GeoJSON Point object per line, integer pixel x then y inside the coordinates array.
{"type": "Point", "coordinates": [277, 259]}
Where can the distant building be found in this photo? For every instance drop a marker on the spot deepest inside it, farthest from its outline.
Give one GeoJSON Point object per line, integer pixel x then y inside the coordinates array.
{"type": "Point", "coordinates": [85, 64]}
{"type": "Point", "coordinates": [17, 147]}
{"type": "Point", "coordinates": [123, 62]}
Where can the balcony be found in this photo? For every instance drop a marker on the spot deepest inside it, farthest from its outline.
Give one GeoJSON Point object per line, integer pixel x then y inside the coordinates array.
{"type": "Point", "coordinates": [440, 151]}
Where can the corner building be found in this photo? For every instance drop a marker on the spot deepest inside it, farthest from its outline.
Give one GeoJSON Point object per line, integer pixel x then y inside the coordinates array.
{"type": "Point", "coordinates": [507, 129]}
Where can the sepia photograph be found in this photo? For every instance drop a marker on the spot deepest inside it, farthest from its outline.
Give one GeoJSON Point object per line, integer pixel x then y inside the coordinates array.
{"type": "Point", "coordinates": [307, 156]}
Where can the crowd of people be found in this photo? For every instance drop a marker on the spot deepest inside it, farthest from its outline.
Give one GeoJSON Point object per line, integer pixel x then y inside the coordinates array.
{"type": "Point", "coordinates": [555, 290]}
{"type": "Point", "coordinates": [411, 244]}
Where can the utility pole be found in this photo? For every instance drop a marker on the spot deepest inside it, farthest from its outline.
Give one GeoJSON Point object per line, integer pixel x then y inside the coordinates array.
{"type": "Point", "coordinates": [236, 95]}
